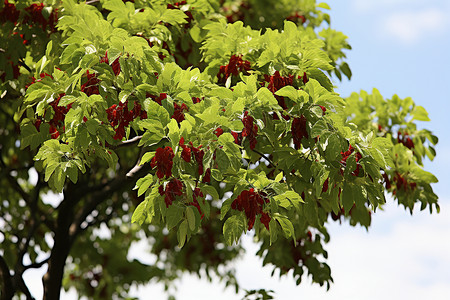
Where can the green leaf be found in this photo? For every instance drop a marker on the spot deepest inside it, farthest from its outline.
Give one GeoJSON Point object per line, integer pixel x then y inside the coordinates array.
{"type": "Point", "coordinates": [174, 133]}
{"type": "Point", "coordinates": [72, 173]}
{"type": "Point", "coordinates": [232, 229]}
{"type": "Point", "coordinates": [143, 184]}
{"type": "Point", "coordinates": [156, 112]}
{"type": "Point", "coordinates": [139, 214]}
{"type": "Point", "coordinates": [147, 157]}
{"type": "Point", "coordinates": [348, 197]}
{"type": "Point", "coordinates": [226, 205]}
{"type": "Point", "coordinates": [420, 114]}
{"type": "Point", "coordinates": [288, 91]}
{"type": "Point", "coordinates": [417, 174]}
{"type": "Point", "coordinates": [210, 190]}
{"type": "Point", "coordinates": [190, 217]}
{"type": "Point", "coordinates": [273, 230]}
{"type": "Point", "coordinates": [286, 225]}
{"type": "Point", "coordinates": [323, 5]}
{"type": "Point", "coordinates": [319, 128]}
{"type": "Point", "coordinates": [346, 70]}
{"type": "Point", "coordinates": [182, 233]}
{"type": "Point", "coordinates": [154, 132]}
{"type": "Point", "coordinates": [57, 180]}
{"type": "Point", "coordinates": [174, 215]}
{"type": "Point", "coordinates": [33, 138]}
{"type": "Point", "coordinates": [266, 97]}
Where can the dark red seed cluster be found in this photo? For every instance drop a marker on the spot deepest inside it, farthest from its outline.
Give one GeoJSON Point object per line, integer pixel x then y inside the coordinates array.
{"type": "Point", "coordinates": [237, 137]}
{"type": "Point", "coordinates": [197, 194]}
{"type": "Point", "coordinates": [196, 100]}
{"type": "Point", "coordinates": [41, 76]}
{"type": "Point", "coordinates": [296, 17]}
{"type": "Point", "coordinates": [250, 129]}
{"type": "Point", "coordinates": [59, 115]}
{"type": "Point", "coordinates": [178, 110]}
{"type": "Point", "coordinates": [234, 67]}
{"type": "Point", "coordinates": [173, 188]}
{"type": "Point", "coordinates": [323, 108]}
{"type": "Point", "coordinates": [298, 130]}
{"type": "Point", "coordinates": [325, 186]}
{"type": "Point", "coordinates": [186, 155]}
{"type": "Point", "coordinates": [115, 65]}
{"type": "Point", "coordinates": [276, 82]}
{"type": "Point", "coordinates": [218, 131]}
{"type": "Point", "coordinates": [402, 183]}
{"type": "Point", "coordinates": [252, 203]}
{"type": "Point", "coordinates": [178, 113]}
{"type": "Point", "coordinates": [345, 156]}
{"type": "Point", "coordinates": [163, 160]}
{"type": "Point", "coordinates": [34, 16]}
{"type": "Point", "coordinates": [186, 152]}
{"type": "Point", "coordinates": [90, 87]}
{"type": "Point", "coordinates": [9, 13]}
{"type": "Point", "coordinates": [158, 99]}
{"type": "Point", "coordinates": [386, 181]}
{"type": "Point", "coordinates": [207, 177]}
{"type": "Point", "coordinates": [405, 139]}
{"type": "Point", "coordinates": [119, 117]}
{"type": "Point", "coordinates": [198, 155]}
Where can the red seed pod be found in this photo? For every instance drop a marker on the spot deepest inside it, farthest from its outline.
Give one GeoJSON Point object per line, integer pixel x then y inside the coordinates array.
{"type": "Point", "coordinates": [235, 65]}
{"type": "Point", "coordinates": [163, 160]}
{"type": "Point", "coordinates": [251, 203]}
{"type": "Point", "coordinates": [173, 188]}
{"type": "Point", "coordinates": [298, 131]}
{"type": "Point", "coordinates": [250, 130]}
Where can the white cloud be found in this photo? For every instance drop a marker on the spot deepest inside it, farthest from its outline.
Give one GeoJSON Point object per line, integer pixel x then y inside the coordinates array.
{"type": "Point", "coordinates": [411, 26]}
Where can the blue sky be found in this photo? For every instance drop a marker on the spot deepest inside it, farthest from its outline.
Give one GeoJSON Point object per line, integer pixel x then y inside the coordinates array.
{"type": "Point", "coordinates": [400, 47]}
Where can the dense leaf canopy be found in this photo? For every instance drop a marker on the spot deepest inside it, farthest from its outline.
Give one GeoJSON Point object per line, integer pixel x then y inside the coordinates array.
{"type": "Point", "coordinates": [187, 125]}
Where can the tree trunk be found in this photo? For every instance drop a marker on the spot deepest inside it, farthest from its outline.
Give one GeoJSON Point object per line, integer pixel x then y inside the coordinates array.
{"type": "Point", "coordinates": [6, 280]}
{"type": "Point", "coordinates": [52, 280]}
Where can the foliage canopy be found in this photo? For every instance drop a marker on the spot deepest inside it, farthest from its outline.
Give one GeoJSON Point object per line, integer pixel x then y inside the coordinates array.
{"type": "Point", "coordinates": [188, 124]}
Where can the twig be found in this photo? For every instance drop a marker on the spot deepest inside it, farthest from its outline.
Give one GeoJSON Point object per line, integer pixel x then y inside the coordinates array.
{"type": "Point", "coordinates": [127, 142]}
{"type": "Point", "coordinates": [37, 265]}
{"type": "Point", "coordinates": [137, 167]}
{"type": "Point", "coordinates": [92, 2]}
{"type": "Point", "coordinates": [266, 158]}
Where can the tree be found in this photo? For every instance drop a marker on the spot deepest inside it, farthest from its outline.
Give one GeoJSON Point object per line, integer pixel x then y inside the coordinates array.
{"type": "Point", "coordinates": [188, 124]}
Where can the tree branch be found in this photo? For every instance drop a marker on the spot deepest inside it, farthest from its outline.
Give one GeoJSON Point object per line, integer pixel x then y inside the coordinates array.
{"type": "Point", "coordinates": [126, 143]}
{"type": "Point", "coordinates": [8, 290]}
{"type": "Point", "coordinates": [37, 265]}
{"type": "Point", "coordinates": [100, 196]}
{"type": "Point", "coordinates": [137, 167]}
{"type": "Point", "coordinates": [20, 285]}
{"type": "Point", "coordinates": [266, 158]}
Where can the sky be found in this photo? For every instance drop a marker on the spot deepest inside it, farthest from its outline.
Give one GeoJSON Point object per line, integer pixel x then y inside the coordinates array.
{"type": "Point", "coordinates": [400, 47]}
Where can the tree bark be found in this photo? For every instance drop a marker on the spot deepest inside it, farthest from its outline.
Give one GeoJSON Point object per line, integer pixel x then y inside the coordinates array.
{"type": "Point", "coordinates": [7, 284]}
{"type": "Point", "coordinates": [52, 280]}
